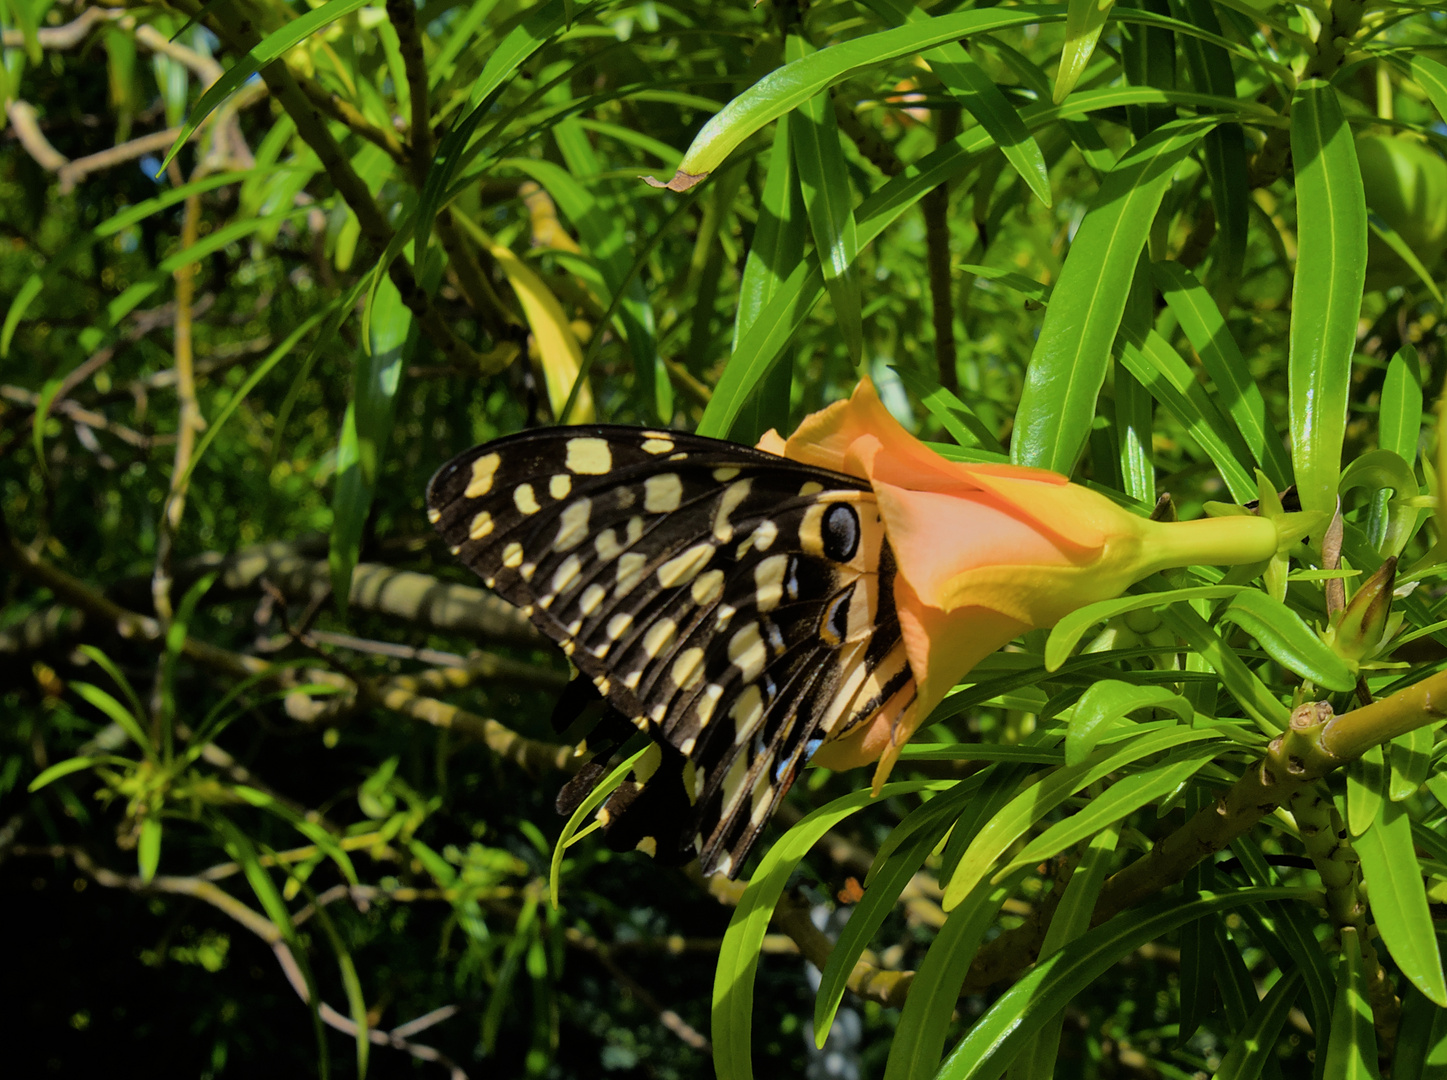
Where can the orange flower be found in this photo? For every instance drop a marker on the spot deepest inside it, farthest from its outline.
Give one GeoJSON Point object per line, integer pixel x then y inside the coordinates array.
{"type": "Point", "coordinates": [986, 552]}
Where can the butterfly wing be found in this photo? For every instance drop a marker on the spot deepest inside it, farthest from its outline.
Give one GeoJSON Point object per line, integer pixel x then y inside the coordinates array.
{"type": "Point", "coordinates": [733, 604]}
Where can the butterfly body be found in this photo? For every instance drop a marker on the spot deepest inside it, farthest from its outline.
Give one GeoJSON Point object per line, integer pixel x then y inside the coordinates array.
{"type": "Point", "coordinates": [736, 606]}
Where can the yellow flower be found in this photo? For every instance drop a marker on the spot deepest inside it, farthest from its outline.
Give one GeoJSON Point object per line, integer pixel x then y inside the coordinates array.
{"type": "Point", "coordinates": [986, 552]}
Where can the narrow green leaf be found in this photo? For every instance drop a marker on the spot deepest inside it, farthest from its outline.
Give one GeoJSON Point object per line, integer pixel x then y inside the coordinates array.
{"type": "Point", "coordinates": [1068, 365]}
{"type": "Point", "coordinates": [733, 986]}
{"type": "Point", "coordinates": [1288, 640]}
{"type": "Point", "coordinates": [148, 847]}
{"type": "Point", "coordinates": [1119, 801]}
{"type": "Point", "coordinates": [968, 83]}
{"type": "Point", "coordinates": [919, 1039]}
{"type": "Point", "coordinates": [1254, 1046]}
{"type": "Point", "coordinates": [265, 51]}
{"type": "Point", "coordinates": [953, 414]}
{"type": "Point", "coordinates": [1084, 20]}
{"type": "Point", "coordinates": [1009, 1025]}
{"type": "Point", "coordinates": [776, 324]}
{"type": "Point", "coordinates": [1382, 471]}
{"type": "Point", "coordinates": [790, 86]}
{"type": "Point", "coordinates": [1225, 147]}
{"type": "Point", "coordinates": [366, 430]}
{"type": "Point", "coordinates": [1399, 901]}
{"type": "Point", "coordinates": [319, 836]}
{"type": "Point", "coordinates": [1431, 76]}
{"type": "Point", "coordinates": [33, 285]}
{"type": "Point", "coordinates": [1108, 701]}
{"type": "Point", "coordinates": [1394, 240]}
{"type": "Point", "coordinates": [1411, 760]}
{"type": "Point", "coordinates": [119, 714]}
{"type": "Point", "coordinates": [1169, 379]}
{"type": "Point", "coordinates": [72, 765]}
{"type": "Point", "coordinates": [1326, 297]}
{"type": "Point", "coordinates": [1210, 337]}
{"type": "Point", "coordinates": [1071, 919]}
{"type": "Point", "coordinates": [824, 177]}
{"type": "Point", "coordinates": [1066, 634]}
{"type": "Point", "coordinates": [908, 846]}
{"type": "Point", "coordinates": [1044, 794]}
{"type": "Point", "coordinates": [1366, 789]}
{"type": "Point", "coordinates": [1133, 432]}
{"type": "Point", "coordinates": [1240, 681]}
{"type": "Point", "coordinates": [591, 802]}
{"type": "Point", "coordinates": [1421, 1039]}
{"type": "Point", "coordinates": [1399, 420]}
{"type": "Point", "coordinates": [1351, 1050]}
{"type": "Point", "coordinates": [777, 251]}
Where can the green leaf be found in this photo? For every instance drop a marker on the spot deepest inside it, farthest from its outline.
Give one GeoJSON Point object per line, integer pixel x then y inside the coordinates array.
{"type": "Point", "coordinates": [1210, 337]}
{"type": "Point", "coordinates": [1163, 372]}
{"type": "Point", "coordinates": [1286, 638]}
{"type": "Point", "coordinates": [919, 1039]}
{"type": "Point", "coordinates": [1071, 919]}
{"type": "Point", "coordinates": [366, 429]}
{"type": "Point", "coordinates": [1068, 365]}
{"type": "Point", "coordinates": [1386, 470]}
{"type": "Point", "coordinates": [824, 177]}
{"type": "Point", "coordinates": [1411, 761]}
{"type": "Point", "coordinates": [733, 985]}
{"type": "Point", "coordinates": [1084, 20]}
{"type": "Point", "coordinates": [1119, 801]}
{"type": "Point", "coordinates": [909, 844]}
{"type": "Point", "coordinates": [1255, 1045]}
{"type": "Point", "coordinates": [591, 802]}
{"type": "Point", "coordinates": [1066, 634]}
{"type": "Point", "coordinates": [1351, 1049]}
{"type": "Point", "coordinates": [1225, 147]}
{"type": "Point", "coordinates": [788, 87]}
{"type": "Point", "coordinates": [1394, 240]}
{"type": "Point", "coordinates": [776, 324]}
{"type": "Point", "coordinates": [1399, 420]}
{"type": "Point", "coordinates": [1366, 788]}
{"type": "Point", "coordinates": [968, 83]}
{"type": "Point", "coordinates": [1240, 681]}
{"type": "Point", "coordinates": [148, 847]}
{"type": "Point", "coordinates": [1326, 297]}
{"type": "Point", "coordinates": [325, 841]}
{"type": "Point", "coordinates": [1009, 1025]}
{"type": "Point", "coordinates": [1044, 794]}
{"type": "Point", "coordinates": [1108, 701]}
{"type": "Point", "coordinates": [953, 414]}
{"type": "Point", "coordinates": [269, 48]}
{"type": "Point", "coordinates": [73, 765]}
{"type": "Point", "coordinates": [1399, 901]}
{"type": "Point", "coordinates": [1421, 1039]}
{"type": "Point", "coordinates": [127, 721]}
{"type": "Point", "coordinates": [1431, 76]}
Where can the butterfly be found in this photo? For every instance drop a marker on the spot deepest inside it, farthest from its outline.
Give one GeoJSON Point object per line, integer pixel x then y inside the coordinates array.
{"type": "Point", "coordinates": [736, 606]}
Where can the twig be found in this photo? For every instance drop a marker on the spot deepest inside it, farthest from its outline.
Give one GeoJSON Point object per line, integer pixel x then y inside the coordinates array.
{"type": "Point", "coordinates": [189, 421]}
{"type": "Point", "coordinates": [403, 16]}
{"type": "Point", "coordinates": [27, 129]}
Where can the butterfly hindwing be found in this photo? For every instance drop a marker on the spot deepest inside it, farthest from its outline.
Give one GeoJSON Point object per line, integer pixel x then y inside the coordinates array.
{"type": "Point", "coordinates": [735, 605]}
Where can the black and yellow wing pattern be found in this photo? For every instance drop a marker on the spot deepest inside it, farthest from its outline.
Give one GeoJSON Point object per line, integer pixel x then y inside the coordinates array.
{"type": "Point", "coordinates": [736, 606]}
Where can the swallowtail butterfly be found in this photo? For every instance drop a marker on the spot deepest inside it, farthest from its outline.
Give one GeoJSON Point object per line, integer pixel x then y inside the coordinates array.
{"type": "Point", "coordinates": [736, 606]}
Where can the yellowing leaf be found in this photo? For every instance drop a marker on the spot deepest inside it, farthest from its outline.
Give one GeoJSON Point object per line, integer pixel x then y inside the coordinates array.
{"type": "Point", "coordinates": [558, 352]}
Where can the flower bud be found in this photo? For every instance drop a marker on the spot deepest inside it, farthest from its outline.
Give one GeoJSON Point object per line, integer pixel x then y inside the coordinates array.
{"type": "Point", "coordinates": [1363, 625]}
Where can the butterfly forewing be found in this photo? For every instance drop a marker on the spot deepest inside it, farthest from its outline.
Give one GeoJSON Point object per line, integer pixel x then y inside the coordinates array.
{"type": "Point", "coordinates": [736, 606]}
